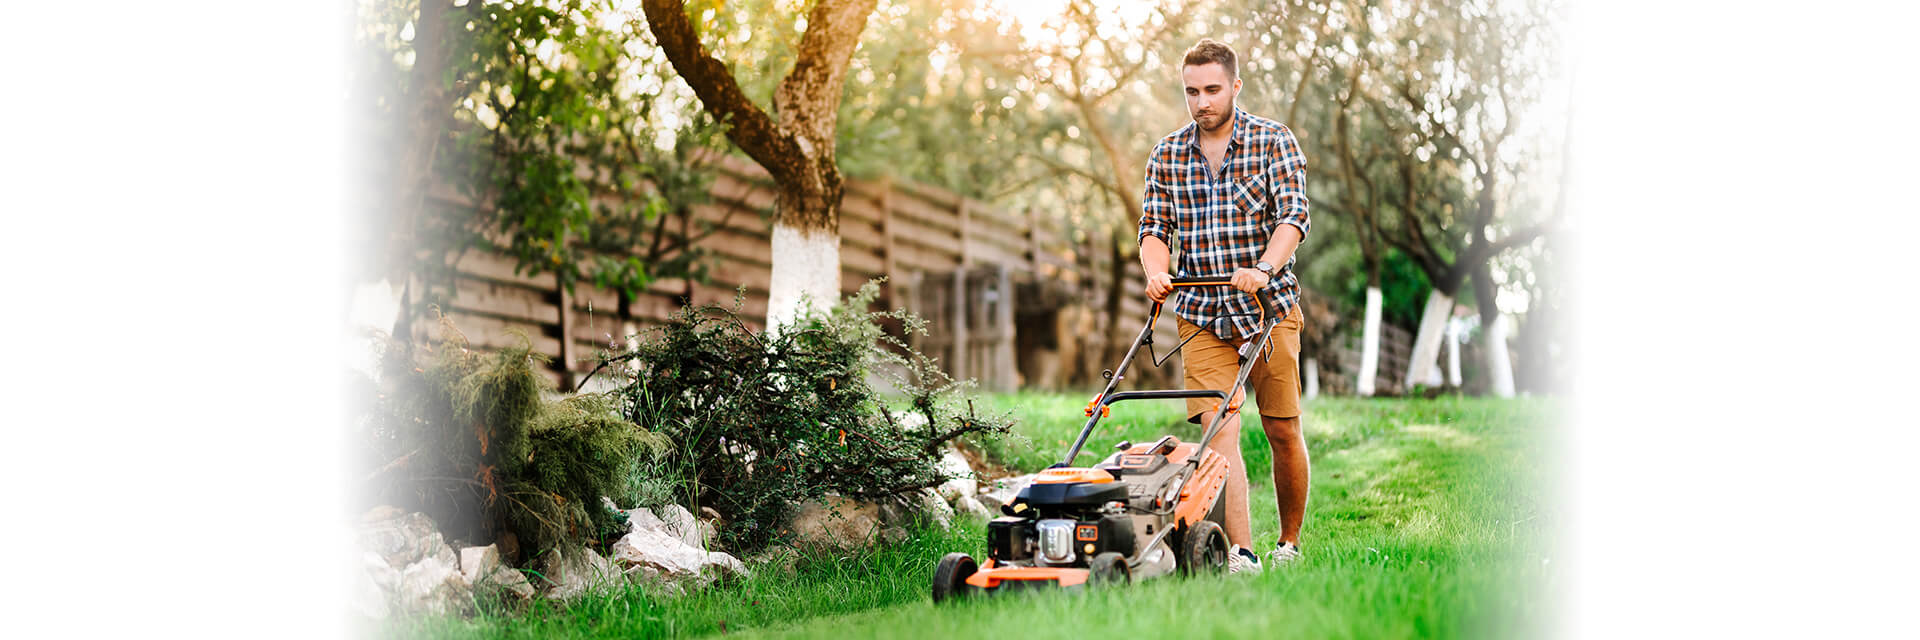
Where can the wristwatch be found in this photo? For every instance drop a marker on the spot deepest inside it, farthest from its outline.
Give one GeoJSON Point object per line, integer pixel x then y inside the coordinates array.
{"type": "Point", "coordinates": [1265, 268]}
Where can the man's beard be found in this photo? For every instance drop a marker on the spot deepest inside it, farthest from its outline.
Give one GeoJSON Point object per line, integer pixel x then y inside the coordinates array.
{"type": "Point", "coordinates": [1219, 118]}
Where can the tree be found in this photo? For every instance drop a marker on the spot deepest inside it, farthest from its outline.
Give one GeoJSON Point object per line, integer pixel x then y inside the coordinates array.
{"type": "Point", "coordinates": [1451, 85]}
{"type": "Point", "coordinates": [797, 150]}
{"type": "Point", "coordinates": [541, 115]}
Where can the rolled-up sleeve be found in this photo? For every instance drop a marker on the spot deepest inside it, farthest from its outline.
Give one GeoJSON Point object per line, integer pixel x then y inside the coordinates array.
{"type": "Point", "coordinates": [1290, 184]}
{"type": "Point", "coordinates": [1156, 208]}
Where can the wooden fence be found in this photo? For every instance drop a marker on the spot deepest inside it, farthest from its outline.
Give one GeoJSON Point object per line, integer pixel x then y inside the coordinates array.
{"type": "Point", "coordinates": [1010, 298]}
{"type": "Point", "coordinates": [915, 235]}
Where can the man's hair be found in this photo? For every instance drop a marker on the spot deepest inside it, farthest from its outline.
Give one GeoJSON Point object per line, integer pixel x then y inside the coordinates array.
{"type": "Point", "coordinates": [1207, 50]}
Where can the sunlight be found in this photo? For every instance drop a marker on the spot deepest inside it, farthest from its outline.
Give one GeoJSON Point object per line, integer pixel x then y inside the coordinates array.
{"type": "Point", "coordinates": [1030, 16]}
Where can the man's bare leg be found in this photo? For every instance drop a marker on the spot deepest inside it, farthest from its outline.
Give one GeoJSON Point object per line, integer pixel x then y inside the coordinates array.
{"type": "Point", "coordinates": [1289, 475]}
{"type": "Point", "coordinates": [1227, 442]}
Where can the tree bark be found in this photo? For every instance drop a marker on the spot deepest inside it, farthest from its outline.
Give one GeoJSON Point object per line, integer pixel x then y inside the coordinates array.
{"type": "Point", "coordinates": [798, 151]}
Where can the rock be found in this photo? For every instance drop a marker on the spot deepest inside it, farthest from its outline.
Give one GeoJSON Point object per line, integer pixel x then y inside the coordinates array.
{"type": "Point", "coordinates": [433, 585]}
{"type": "Point", "coordinates": [570, 575]}
{"type": "Point", "coordinates": [650, 555]}
{"type": "Point", "coordinates": [963, 482]}
{"type": "Point", "coordinates": [407, 567]}
{"type": "Point", "coordinates": [487, 574]}
{"type": "Point", "coordinates": [970, 507]}
{"type": "Point", "coordinates": [924, 504]}
{"type": "Point", "coordinates": [835, 522]}
{"type": "Point", "coordinates": [673, 519]}
{"type": "Point", "coordinates": [374, 585]}
{"type": "Point", "coordinates": [894, 535]}
{"type": "Point", "coordinates": [779, 558]}
{"type": "Point", "coordinates": [404, 540]}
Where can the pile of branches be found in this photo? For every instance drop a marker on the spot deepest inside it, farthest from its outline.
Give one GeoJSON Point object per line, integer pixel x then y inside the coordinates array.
{"type": "Point", "coordinates": [468, 438]}
{"type": "Point", "coordinates": [762, 422]}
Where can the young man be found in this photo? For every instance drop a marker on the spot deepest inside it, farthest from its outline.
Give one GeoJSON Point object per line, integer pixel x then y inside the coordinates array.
{"type": "Point", "coordinates": [1232, 187]}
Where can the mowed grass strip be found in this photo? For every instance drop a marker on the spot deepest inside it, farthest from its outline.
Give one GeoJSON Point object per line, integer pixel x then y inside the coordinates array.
{"type": "Point", "coordinates": [1428, 518]}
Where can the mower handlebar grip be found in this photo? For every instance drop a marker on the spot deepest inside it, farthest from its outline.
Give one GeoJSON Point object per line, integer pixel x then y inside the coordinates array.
{"type": "Point", "coordinates": [1264, 296]}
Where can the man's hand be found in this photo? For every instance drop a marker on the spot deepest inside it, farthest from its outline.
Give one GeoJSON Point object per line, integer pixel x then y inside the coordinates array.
{"type": "Point", "coordinates": [1248, 280]}
{"type": "Point", "coordinates": [1159, 285]}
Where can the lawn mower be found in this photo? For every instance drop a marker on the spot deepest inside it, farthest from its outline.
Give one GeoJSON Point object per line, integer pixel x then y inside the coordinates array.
{"type": "Point", "coordinates": [1147, 510]}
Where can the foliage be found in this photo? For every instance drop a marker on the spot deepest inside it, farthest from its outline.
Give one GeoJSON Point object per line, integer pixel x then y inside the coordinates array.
{"type": "Point", "coordinates": [1429, 518]}
{"type": "Point", "coordinates": [550, 124]}
{"type": "Point", "coordinates": [469, 439]}
{"type": "Point", "coordinates": [763, 421]}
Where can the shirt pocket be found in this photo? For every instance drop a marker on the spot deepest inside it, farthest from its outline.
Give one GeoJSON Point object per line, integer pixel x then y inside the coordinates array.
{"type": "Point", "coordinates": [1250, 197]}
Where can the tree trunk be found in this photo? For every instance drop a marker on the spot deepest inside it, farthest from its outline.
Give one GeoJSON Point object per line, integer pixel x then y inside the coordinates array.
{"type": "Point", "coordinates": [798, 151]}
{"type": "Point", "coordinates": [1421, 363]}
{"type": "Point", "coordinates": [1370, 344]}
{"type": "Point", "coordinates": [1499, 366]}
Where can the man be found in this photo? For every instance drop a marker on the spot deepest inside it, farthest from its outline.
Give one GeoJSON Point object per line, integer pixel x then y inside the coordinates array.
{"type": "Point", "coordinates": [1232, 187]}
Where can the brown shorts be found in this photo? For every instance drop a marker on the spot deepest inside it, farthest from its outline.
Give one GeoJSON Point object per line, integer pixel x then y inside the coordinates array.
{"type": "Point", "coordinates": [1211, 363]}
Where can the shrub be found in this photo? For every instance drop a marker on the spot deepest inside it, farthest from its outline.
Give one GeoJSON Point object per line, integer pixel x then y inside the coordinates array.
{"type": "Point", "coordinates": [763, 421]}
{"type": "Point", "coordinates": [468, 438]}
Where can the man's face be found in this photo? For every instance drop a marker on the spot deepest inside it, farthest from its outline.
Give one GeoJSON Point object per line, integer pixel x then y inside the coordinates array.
{"type": "Point", "coordinates": [1210, 93]}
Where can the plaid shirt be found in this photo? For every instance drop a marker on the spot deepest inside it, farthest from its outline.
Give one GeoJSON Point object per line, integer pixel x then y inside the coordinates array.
{"type": "Point", "coordinates": [1225, 221]}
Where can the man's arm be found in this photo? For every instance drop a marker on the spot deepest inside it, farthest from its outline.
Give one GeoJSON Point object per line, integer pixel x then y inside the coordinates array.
{"type": "Point", "coordinates": [1156, 226]}
{"type": "Point", "coordinates": [1290, 206]}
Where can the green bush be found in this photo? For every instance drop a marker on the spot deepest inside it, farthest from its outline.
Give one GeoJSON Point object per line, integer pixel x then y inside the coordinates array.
{"type": "Point", "coordinates": [467, 437]}
{"type": "Point", "coordinates": [763, 421]}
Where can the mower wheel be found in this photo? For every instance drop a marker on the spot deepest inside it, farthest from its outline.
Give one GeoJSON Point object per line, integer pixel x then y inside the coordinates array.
{"type": "Point", "coordinates": [1108, 569]}
{"type": "Point", "coordinates": [950, 577]}
{"type": "Point", "coordinates": [1204, 549]}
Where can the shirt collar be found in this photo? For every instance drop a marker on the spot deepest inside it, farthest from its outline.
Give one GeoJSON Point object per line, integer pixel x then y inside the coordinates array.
{"type": "Point", "coordinates": [1239, 138]}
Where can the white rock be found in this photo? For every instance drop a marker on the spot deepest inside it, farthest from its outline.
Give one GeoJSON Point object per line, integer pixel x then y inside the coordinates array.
{"type": "Point", "coordinates": [651, 556]}
{"type": "Point", "coordinates": [673, 519]}
{"type": "Point", "coordinates": [486, 573]}
{"type": "Point", "coordinates": [835, 522]}
{"type": "Point", "coordinates": [963, 483]}
{"type": "Point", "coordinates": [433, 586]}
{"type": "Point", "coordinates": [970, 507]}
{"type": "Point", "coordinates": [568, 576]}
{"type": "Point", "coordinates": [373, 586]}
{"type": "Point", "coordinates": [1003, 490]}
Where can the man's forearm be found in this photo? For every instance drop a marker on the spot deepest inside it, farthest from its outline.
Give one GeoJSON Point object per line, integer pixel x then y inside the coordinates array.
{"type": "Point", "coordinates": [1279, 248]}
{"type": "Point", "coordinates": [1154, 255]}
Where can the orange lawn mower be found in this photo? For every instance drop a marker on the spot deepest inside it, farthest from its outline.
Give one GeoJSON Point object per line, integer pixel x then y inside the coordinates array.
{"type": "Point", "coordinates": [1146, 511]}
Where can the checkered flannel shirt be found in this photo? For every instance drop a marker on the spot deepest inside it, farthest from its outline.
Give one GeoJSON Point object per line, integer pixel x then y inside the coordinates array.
{"type": "Point", "coordinates": [1224, 222]}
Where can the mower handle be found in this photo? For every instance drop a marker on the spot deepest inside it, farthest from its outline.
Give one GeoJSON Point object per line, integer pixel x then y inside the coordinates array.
{"type": "Point", "coordinates": [1263, 296]}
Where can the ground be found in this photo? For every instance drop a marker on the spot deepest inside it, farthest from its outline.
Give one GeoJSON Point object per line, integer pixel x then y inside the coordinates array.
{"type": "Point", "coordinates": [1427, 518]}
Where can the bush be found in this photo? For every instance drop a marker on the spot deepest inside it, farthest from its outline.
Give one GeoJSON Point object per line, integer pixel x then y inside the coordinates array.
{"type": "Point", "coordinates": [763, 421]}
{"type": "Point", "coordinates": [469, 439]}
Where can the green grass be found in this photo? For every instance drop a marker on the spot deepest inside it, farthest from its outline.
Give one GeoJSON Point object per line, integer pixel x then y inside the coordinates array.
{"type": "Point", "coordinates": [1428, 518]}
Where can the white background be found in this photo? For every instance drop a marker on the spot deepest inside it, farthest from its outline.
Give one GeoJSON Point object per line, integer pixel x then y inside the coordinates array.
{"type": "Point", "coordinates": [1743, 434]}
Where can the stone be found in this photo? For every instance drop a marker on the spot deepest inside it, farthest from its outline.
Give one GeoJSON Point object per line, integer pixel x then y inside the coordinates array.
{"type": "Point", "coordinates": [434, 586]}
{"type": "Point", "coordinates": [835, 522]}
{"type": "Point", "coordinates": [651, 555]}
{"type": "Point", "coordinates": [487, 574]}
{"type": "Point", "coordinates": [952, 463]}
{"type": "Point", "coordinates": [969, 506]}
{"type": "Point", "coordinates": [673, 519]}
{"type": "Point", "coordinates": [570, 575]}
{"type": "Point", "coordinates": [404, 540]}
{"type": "Point", "coordinates": [373, 586]}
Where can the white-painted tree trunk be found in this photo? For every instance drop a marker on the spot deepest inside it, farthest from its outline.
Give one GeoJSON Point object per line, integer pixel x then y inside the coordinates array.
{"type": "Point", "coordinates": [1453, 352]}
{"type": "Point", "coordinates": [806, 271]}
{"type": "Point", "coordinates": [1421, 364]}
{"type": "Point", "coordinates": [1499, 366]}
{"type": "Point", "coordinates": [1370, 344]}
{"type": "Point", "coordinates": [1310, 372]}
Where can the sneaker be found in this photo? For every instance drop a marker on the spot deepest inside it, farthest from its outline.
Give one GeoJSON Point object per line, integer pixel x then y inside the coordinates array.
{"type": "Point", "coordinates": [1283, 554]}
{"type": "Point", "coordinates": [1241, 559]}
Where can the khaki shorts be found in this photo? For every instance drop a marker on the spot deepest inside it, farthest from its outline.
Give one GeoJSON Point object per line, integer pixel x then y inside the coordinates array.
{"type": "Point", "coordinates": [1212, 363]}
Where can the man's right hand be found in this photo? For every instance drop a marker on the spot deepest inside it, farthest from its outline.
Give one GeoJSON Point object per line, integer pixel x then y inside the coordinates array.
{"type": "Point", "coordinates": [1159, 285]}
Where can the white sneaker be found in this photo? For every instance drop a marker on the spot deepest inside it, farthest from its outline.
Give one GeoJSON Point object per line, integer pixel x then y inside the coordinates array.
{"type": "Point", "coordinates": [1284, 554]}
{"type": "Point", "coordinates": [1241, 559]}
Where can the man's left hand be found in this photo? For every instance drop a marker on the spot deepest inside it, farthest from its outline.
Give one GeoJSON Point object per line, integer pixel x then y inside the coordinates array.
{"type": "Point", "coordinates": [1249, 280]}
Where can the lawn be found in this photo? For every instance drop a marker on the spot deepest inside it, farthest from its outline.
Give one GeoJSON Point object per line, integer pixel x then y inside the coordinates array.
{"type": "Point", "coordinates": [1428, 518]}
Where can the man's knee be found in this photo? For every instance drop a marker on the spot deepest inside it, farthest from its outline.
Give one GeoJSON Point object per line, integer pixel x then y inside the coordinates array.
{"type": "Point", "coordinates": [1281, 430]}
